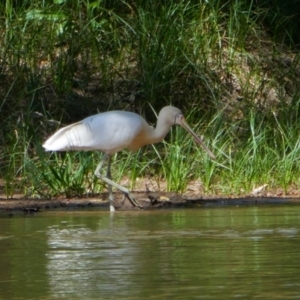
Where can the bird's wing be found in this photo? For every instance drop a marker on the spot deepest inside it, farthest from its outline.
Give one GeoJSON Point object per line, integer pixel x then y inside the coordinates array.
{"type": "Point", "coordinates": [72, 137]}
{"type": "Point", "coordinates": [109, 132]}
{"type": "Point", "coordinates": [114, 131]}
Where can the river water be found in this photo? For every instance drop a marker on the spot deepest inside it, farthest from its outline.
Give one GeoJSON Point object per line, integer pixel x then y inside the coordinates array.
{"type": "Point", "coordinates": [246, 252]}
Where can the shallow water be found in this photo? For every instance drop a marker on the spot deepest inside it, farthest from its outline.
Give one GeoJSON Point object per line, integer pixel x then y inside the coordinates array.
{"type": "Point", "coordinates": [208, 253]}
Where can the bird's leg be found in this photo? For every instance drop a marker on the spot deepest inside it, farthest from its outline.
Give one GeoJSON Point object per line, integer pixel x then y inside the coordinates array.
{"type": "Point", "coordinates": [108, 174]}
{"type": "Point", "coordinates": [114, 184]}
{"type": "Point", "coordinates": [110, 193]}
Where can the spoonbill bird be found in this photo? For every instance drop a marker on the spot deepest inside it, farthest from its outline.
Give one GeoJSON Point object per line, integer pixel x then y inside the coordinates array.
{"type": "Point", "coordinates": [114, 131]}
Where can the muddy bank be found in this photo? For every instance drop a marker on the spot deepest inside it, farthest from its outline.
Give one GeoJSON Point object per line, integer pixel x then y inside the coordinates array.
{"type": "Point", "coordinates": [148, 201]}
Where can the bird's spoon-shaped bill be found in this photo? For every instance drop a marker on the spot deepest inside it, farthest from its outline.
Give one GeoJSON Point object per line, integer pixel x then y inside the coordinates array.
{"type": "Point", "coordinates": [182, 122]}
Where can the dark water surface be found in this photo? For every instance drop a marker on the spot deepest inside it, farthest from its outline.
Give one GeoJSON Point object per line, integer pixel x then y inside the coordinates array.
{"type": "Point", "coordinates": [210, 253]}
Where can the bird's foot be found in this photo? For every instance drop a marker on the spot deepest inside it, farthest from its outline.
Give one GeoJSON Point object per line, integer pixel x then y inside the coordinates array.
{"type": "Point", "coordinates": [132, 200]}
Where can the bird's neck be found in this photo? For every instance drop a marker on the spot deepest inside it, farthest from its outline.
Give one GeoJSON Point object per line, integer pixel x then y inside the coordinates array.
{"type": "Point", "coordinates": [161, 130]}
{"type": "Point", "coordinates": [148, 135]}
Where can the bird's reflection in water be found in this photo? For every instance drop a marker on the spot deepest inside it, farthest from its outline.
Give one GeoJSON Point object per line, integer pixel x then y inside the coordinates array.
{"type": "Point", "coordinates": [82, 260]}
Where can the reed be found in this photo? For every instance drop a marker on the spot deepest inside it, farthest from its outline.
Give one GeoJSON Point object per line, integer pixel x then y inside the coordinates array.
{"type": "Point", "coordinates": [232, 67]}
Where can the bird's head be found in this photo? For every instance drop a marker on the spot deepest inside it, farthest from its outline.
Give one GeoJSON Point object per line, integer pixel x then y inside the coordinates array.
{"type": "Point", "coordinates": [174, 115]}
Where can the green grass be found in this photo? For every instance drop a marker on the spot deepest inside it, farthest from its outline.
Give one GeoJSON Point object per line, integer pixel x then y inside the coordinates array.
{"type": "Point", "coordinates": [232, 67]}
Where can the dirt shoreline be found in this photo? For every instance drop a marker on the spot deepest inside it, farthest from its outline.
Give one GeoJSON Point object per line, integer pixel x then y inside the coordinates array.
{"type": "Point", "coordinates": [148, 201]}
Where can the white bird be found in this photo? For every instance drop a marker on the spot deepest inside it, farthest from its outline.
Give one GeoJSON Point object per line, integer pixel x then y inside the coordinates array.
{"type": "Point", "coordinates": [114, 131]}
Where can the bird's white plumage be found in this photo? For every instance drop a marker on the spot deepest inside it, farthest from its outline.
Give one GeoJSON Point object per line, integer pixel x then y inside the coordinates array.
{"type": "Point", "coordinates": [114, 131]}
{"type": "Point", "coordinates": [109, 132]}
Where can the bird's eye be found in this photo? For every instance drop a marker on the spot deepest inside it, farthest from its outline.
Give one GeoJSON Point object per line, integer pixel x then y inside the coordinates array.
{"type": "Point", "coordinates": [177, 116]}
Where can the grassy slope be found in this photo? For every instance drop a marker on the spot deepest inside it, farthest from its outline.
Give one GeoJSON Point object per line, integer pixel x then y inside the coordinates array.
{"type": "Point", "coordinates": [233, 67]}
